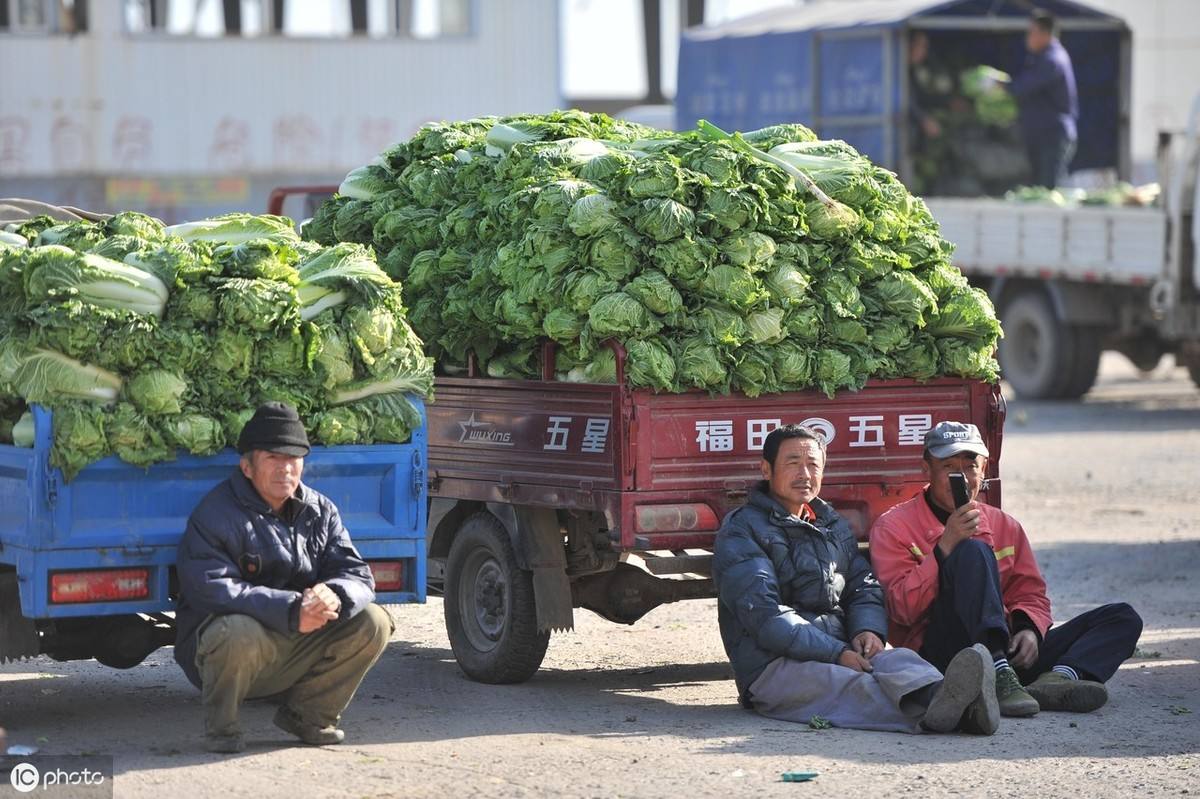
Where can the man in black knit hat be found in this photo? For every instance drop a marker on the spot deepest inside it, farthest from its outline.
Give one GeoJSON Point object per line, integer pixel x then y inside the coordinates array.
{"type": "Point", "coordinates": [273, 597]}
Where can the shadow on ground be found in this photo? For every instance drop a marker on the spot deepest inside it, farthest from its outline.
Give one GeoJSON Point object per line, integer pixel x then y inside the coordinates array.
{"type": "Point", "coordinates": [419, 695]}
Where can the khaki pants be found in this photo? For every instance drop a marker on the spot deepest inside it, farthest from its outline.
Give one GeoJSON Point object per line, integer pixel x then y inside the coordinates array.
{"type": "Point", "coordinates": [238, 658]}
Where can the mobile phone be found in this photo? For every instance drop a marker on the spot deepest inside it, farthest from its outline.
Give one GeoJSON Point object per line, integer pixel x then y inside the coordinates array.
{"type": "Point", "coordinates": [958, 487]}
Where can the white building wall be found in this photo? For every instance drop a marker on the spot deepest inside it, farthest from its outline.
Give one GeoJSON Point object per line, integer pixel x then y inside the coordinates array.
{"type": "Point", "coordinates": [1166, 69]}
{"type": "Point", "coordinates": [107, 103]}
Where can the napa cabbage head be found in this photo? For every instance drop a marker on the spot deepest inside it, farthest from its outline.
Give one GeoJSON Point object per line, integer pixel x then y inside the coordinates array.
{"type": "Point", "coordinates": [54, 272]}
{"type": "Point", "coordinates": [235, 228]}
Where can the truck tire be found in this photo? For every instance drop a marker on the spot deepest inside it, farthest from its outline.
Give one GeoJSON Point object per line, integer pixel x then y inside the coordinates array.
{"type": "Point", "coordinates": [1037, 349]}
{"type": "Point", "coordinates": [1085, 366]}
{"type": "Point", "coordinates": [491, 618]}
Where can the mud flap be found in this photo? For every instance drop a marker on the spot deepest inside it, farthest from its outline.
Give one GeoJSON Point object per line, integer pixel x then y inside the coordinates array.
{"type": "Point", "coordinates": [18, 635]}
{"type": "Point", "coordinates": [547, 559]}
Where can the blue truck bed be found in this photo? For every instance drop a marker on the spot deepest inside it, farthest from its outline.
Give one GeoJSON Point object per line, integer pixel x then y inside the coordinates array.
{"type": "Point", "coordinates": [114, 516]}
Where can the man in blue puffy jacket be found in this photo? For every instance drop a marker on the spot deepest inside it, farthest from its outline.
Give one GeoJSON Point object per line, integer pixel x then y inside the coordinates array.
{"type": "Point", "coordinates": [273, 597]}
{"type": "Point", "coordinates": [802, 616]}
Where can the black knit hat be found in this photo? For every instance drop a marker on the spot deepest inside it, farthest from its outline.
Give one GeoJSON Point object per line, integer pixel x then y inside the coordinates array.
{"type": "Point", "coordinates": [274, 427]}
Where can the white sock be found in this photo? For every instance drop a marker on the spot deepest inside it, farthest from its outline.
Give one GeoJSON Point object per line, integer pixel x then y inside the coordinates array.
{"type": "Point", "coordinates": [1066, 671]}
{"type": "Point", "coordinates": [1001, 663]}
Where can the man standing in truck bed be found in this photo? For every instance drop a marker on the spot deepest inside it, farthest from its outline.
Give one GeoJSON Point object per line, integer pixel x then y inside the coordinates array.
{"type": "Point", "coordinates": [802, 615]}
{"type": "Point", "coordinates": [1049, 106]}
{"type": "Point", "coordinates": [274, 599]}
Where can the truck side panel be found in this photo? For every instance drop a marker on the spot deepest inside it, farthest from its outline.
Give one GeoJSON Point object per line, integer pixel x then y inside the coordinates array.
{"type": "Point", "coordinates": [601, 448]}
{"type": "Point", "coordinates": [117, 516]}
{"type": "Point", "coordinates": [692, 448]}
{"type": "Point", "coordinates": [873, 436]}
{"type": "Point", "coordinates": [1121, 246]}
{"type": "Point", "coordinates": [492, 439]}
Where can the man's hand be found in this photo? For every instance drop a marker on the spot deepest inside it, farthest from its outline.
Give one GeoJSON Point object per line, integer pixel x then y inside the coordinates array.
{"type": "Point", "coordinates": [318, 606]}
{"type": "Point", "coordinates": [1023, 649]}
{"type": "Point", "coordinates": [325, 595]}
{"type": "Point", "coordinates": [961, 525]}
{"type": "Point", "coordinates": [852, 660]}
{"type": "Point", "coordinates": [313, 617]}
{"type": "Point", "coordinates": [867, 644]}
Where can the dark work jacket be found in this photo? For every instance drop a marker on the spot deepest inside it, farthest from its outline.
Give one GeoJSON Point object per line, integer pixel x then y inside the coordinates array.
{"type": "Point", "coordinates": [790, 588]}
{"type": "Point", "coordinates": [238, 556]}
{"type": "Point", "coordinates": [1045, 93]}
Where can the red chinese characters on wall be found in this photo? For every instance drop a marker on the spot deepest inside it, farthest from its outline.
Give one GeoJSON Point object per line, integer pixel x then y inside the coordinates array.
{"type": "Point", "coordinates": [133, 142]}
{"type": "Point", "coordinates": [68, 144]}
{"type": "Point", "coordinates": [230, 148]}
{"type": "Point", "coordinates": [14, 144]}
{"type": "Point", "coordinates": [297, 141]}
{"type": "Point", "coordinates": [376, 134]}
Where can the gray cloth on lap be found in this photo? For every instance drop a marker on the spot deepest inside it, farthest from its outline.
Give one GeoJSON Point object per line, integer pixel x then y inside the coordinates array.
{"type": "Point", "coordinates": [793, 690]}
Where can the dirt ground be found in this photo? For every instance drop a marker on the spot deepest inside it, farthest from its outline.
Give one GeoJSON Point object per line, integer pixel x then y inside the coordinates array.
{"type": "Point", "coordinates": [1106, 489]}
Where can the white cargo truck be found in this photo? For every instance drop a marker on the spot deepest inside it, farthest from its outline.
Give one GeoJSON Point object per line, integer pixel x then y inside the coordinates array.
{"type": "Point", "coordinates": [1070, 282]}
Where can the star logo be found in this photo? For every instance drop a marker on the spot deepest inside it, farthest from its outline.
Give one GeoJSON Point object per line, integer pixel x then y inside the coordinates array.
{"type": "Point", "coordinates": [477, 432]}
{"type": "Point", "coordinates": [469, 425]}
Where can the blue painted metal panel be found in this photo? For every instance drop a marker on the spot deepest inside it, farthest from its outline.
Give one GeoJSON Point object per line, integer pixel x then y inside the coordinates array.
{"type": "Point", "coordinates": [783, 64]}
{"type": "Point", "coordinates": [1096, 58]}
{"type": "Point", "coordinates": [745, 83]}
{"type": "Point", "coordinates": [113, 515]}
{"type": "Point", "coordinates": [855, 86]}
{"type": "Point", "coordinates": [852, 76]}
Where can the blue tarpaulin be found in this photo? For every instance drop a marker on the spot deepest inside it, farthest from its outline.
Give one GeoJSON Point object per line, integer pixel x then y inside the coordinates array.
{"type": "Point", "coordinates": [840, 66]}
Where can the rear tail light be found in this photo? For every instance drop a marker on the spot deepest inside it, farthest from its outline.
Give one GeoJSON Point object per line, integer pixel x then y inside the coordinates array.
{"type": "Point", "coordinates": [99, 585]}
{"type": "Point", "coordinates": [388, 574]}
{"type": "Point", "coordinates": [695, 517]}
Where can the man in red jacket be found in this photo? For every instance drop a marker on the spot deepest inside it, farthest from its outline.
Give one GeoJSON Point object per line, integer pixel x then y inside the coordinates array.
{"type": "Point", "coordinates": [957, 577]}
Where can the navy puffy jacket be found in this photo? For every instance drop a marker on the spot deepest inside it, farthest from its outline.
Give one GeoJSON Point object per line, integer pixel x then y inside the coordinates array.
{"type": "Point", "coordinates": [237, 556]}
{"type": "Point", "coordinates": [790, 588]}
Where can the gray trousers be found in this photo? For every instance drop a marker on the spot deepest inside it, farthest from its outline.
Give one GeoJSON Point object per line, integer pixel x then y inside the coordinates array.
{"type": "Point", "coordinates": [318, 672]}
{"type": "Point", "coordinates": [884, 700]}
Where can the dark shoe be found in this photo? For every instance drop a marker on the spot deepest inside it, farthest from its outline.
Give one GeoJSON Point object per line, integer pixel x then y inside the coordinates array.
{"type": "Point", "coordinates": [983, 715]}
{"type": "Point", "coordinates": [1014, 700]}
{"type": "Point", "coordinates": [969, 674]}
{"type": "Point", "coordinates": [288, 721]}
{"type": "Point", "coordinates": [1054, 691]}
{"type": "Point", "coordinates": [225, 744]}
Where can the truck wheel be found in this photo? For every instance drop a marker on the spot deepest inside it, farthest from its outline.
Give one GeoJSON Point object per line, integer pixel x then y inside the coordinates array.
{"type": "Point", "coordinates": [1036, 350]}
{"type": "Point", "coordinates": [491, 618]}
{"type": "Point", "coordinates": [1086, 365]}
